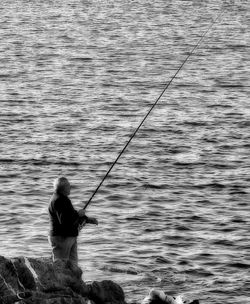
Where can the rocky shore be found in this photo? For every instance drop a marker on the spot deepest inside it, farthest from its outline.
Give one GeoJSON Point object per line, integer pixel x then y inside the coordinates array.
{"type": "Point", "coordinates": [39, 281]}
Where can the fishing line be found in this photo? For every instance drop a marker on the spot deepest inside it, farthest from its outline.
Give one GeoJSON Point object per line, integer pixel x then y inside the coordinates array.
{"type": "Point", "coordinates": [152, 107]}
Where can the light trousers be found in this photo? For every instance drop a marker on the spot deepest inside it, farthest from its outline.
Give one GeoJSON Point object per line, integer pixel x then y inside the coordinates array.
{"type": "Point", "coordinates": [64, 248]}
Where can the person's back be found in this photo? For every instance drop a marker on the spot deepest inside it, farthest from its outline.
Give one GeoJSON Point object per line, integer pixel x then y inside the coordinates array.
{"type": "Point", "coordinates": [65, 222]}
{"type": "Point", "coordinates": [64, 218]}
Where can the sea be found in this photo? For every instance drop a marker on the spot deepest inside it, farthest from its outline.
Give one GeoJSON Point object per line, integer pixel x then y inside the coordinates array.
{"type": "Point", "coordinates": [76, 79]}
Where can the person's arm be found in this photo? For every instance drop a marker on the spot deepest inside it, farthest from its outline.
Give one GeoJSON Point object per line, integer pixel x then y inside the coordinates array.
{"type": "Point", "coordinates": [89, 220]}
{"type": "Point", "coordinates": [92, 220]}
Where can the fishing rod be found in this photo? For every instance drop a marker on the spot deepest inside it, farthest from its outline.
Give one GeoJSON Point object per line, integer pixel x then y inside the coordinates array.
{"type": "Point", "coordinates": [152, 107]}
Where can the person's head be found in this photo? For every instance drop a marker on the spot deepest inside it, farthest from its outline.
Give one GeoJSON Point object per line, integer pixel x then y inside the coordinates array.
{"type": "Point", "coordinates": [62, 186]}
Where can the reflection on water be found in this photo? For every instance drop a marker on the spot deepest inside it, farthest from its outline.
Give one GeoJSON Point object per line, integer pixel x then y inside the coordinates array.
{"type": "Point", "coordinates": [76, 78]}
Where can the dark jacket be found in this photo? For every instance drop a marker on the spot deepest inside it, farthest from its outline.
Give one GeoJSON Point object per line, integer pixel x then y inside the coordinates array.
{"type": "Point", "coordinates": [64, 219]}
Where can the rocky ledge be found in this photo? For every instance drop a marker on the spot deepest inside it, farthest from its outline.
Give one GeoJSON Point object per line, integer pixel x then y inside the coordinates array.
{"type": "Point", "coordinates": [39, 281]}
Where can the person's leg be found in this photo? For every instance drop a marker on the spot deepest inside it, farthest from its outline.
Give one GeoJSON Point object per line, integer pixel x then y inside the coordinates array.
{"type": "Point", "coordinates": [73, 256]}
{"type": "Point", "coordinates": [61, 247]}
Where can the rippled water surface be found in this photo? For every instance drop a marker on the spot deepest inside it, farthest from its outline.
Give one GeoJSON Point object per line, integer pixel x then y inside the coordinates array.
{"type": "Point", "coordinates": [76, 78]}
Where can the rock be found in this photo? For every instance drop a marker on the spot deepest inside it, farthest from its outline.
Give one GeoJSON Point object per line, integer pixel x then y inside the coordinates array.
{"type": "Point", "coordinates": [159, 297]}
{"type": "Point", "coordinates": [106, 292]}
{"type": "Point", "coordinates": [39, 281]}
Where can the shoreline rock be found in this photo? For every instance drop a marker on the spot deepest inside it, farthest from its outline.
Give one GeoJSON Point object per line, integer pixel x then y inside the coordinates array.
{"type": "Point", "coordinates": [159, 297]}
{"type": "Point", "coordinates": [40, 281]}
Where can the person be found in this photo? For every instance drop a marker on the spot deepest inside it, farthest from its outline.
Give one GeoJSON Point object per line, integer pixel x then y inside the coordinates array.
{"type": "Point", "coordinates": [65, 222]}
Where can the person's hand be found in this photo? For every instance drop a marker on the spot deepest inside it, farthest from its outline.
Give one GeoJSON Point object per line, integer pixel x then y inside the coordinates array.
{"type": "Point", "coordinates": [81, 212]}
{"type": "Point", "coordinates": [93, 220]}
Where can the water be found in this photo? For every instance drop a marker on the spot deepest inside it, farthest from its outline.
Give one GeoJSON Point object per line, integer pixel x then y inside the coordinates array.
{"type": "Point", "coordinates": [76, 78]}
